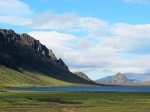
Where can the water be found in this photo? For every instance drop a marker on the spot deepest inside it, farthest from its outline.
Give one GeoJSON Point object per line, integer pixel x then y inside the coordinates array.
{"type": "Point", "coordinates": [89, 88]}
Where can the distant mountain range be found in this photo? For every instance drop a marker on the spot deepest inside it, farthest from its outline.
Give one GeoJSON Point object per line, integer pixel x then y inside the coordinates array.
{"type": "Point", "coordinates": [132, 77]}
{"type": "Point", "coordinates": [21, 52]}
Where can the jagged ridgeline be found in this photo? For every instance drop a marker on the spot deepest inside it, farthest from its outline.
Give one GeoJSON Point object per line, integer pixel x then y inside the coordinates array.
{"type": "Point", "coordinates": [22, 52]}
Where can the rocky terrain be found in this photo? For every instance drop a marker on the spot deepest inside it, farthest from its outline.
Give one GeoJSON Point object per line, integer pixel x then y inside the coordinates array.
{"type": "Point", "coordinates": [18, 46]}
{"type": "Point", "coordinates": [119, 79]}
{"type": "Point", "coordinates": [82, 75]}
{"type": "Point", "coordinates": [22, 52]}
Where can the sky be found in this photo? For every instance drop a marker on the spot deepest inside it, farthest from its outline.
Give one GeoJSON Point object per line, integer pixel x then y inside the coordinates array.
{"type": "Point", "coordinates": [97, 37]}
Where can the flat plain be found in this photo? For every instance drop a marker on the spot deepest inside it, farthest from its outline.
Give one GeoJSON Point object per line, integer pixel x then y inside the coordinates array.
{"type": "Point", "coordinates": [31, 101]}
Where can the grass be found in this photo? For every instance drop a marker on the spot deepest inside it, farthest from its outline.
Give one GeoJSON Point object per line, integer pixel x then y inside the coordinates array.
{"type": "Point", "coordinates": [24, 101]}
{"type": "Point", "coordinates": [12, 78]}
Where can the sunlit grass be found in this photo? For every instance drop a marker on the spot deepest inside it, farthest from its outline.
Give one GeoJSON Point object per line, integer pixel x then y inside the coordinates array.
{"type": "Point", "coordinates": [12, 78]}
{"type": "Point", "coordinates": [74, 101]}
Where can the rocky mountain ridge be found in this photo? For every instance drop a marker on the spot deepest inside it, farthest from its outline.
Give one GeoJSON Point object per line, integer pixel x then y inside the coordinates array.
{"type": "Point", "coordinates": [22, 52]}
{"type": "Point", "coordinates": [27, 44]}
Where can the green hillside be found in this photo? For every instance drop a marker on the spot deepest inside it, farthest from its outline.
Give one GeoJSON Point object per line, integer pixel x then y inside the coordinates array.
{"type": "Point", "coordinates": [12, 78]}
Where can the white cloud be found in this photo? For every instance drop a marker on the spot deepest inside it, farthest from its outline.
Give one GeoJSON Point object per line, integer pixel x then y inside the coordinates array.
{"type": "Point", "coordinates": [134, 31]}
{"type": "Point", "coordinates": [55, 40]}
{"type": "Point", "coordinates": [92, 24]}
{"type": "Point", "coordinates": [49, 20]}
{"type": "Point", "coordinates": [84, 43]}
{"type": "Point", "coordinates": [66, 21]}
{"type": "Point", "coordinates": [70, 22]}
{"type": "Point", "coordinates": [14, 12]}
{"type": "Point", "coordinates": [14, 20]}
{"type": "Point", "coordinates": [14, 8]}
{"type": "Point", "coordinates": [131, 38]}
{"type": "Point", "coordinates": [138, 1]}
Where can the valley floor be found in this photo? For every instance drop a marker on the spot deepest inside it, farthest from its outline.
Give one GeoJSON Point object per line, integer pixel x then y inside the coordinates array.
{"type": "Point", "coordinates": [24, 101]}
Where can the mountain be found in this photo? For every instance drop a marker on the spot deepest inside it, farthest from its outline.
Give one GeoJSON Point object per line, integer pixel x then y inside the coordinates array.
{"type": "Point", "coordinates": [119, 79]}
{"type": "Point", "coordinates": [138, 77]}
{"type": "Point", "coordinates": [23, 48]}
{"type": "Point", "coordinates": [132, 77]}
{"type": "Point", "coordinates": [82, 75]}
{"type": "Point", "coordinates": [104, 79]}
{"type": "Point", "coordinates": [21, 52]}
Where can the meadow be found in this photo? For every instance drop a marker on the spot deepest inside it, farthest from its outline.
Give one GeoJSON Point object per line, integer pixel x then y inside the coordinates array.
{"type": "Point", "coordinates": [31, 101]}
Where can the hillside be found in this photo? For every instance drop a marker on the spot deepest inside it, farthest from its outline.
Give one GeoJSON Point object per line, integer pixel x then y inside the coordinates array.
{"type": "Point", "coordinates": [82, 75]}
{"type": "Point", "coordinates": [12, 78]}
{"type": "Point", "coordinates": [21, 52]}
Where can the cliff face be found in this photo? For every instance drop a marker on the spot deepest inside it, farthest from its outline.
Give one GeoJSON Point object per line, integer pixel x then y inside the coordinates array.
{"type": "Point", "coordinates": [18, 45]}
{"type": "Point", "coordinates": [23, 51]}
{"type": "Point", "coordinates": [119, 79]}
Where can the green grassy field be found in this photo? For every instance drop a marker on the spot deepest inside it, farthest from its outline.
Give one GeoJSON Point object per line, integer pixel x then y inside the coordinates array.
{"type": "Point", "coordinates": [12, 78]}
{"type": "Point", "coordinates": [23, 101]}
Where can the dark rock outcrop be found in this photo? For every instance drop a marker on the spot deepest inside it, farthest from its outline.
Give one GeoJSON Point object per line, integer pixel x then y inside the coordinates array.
{"type": "Point", "coordinates": [119, 79]}
{"type": "Point", "coordinates": [82, 75]}
{"type": "Point", "coordinates": [24, 44]}
{"type": "Point", "coordinates": [23, 51]}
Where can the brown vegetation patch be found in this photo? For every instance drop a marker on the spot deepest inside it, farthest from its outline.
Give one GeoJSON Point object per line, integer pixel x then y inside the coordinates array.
{"type": "Point", "coordinates": [56, 100]}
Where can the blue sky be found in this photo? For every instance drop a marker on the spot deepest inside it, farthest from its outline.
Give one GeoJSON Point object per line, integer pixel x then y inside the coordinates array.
{"type": "Point", "coordinates": [97, 37]}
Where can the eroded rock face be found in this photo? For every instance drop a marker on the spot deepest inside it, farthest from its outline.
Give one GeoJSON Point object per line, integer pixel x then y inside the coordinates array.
{"type": "Point", "coordinates": [119, 79]}
{"type": "Point", "coordinates": [21, 46]}
{"type": "Point", "coordinates": [52, 55]}
{"type": "Point", "coordinates": [82, 75]}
